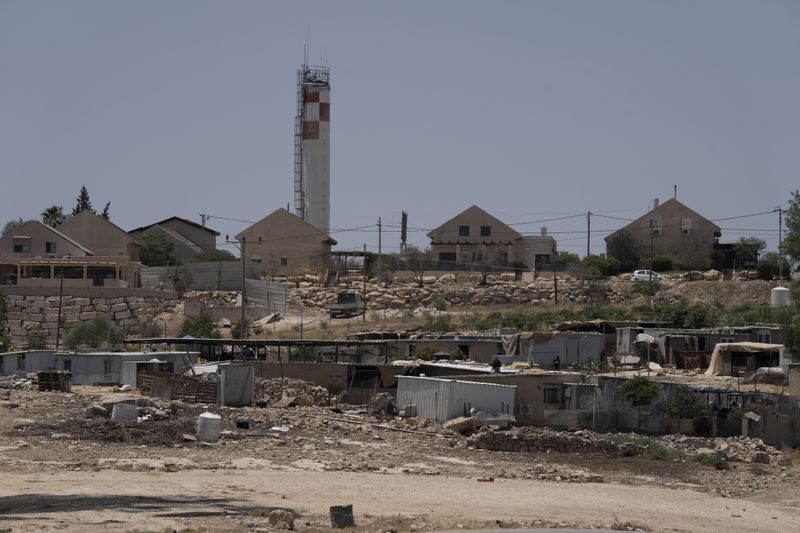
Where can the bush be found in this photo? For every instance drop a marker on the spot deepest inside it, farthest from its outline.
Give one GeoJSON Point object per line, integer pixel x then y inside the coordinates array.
{"type": "Point", "coordinates": [595, 265]}
{"type": "Point", "coordinates": [236, 330]}
{"type": "Point", "coordinates": [94, 334]}
{"type": "Point", "coordinates": [439, 323]}
{"type": "Point", "coordinates": [36, 339]}
{"type": "Point", "coordinates": [710, 459]}
{"type": "Point", "coordinates": [201, 326]}
{"type": "Point", "coordinates": [770, 267]}
{"type": "Point", "coordinates": [686, 404]}
{"type": "Point", "coordinates": [662, 263]}
{"type": "Point", "coordinates": [640, 391]}
{"type": "Point", "coordinates": [426, 353]}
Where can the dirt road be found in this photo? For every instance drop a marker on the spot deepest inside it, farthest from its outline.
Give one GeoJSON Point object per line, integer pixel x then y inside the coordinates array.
{"type": "Point", "coordinates": [233, 500]}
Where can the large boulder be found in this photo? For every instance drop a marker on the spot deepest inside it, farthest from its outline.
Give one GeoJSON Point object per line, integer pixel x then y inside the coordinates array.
{"type": "Point", "coordinates": [462, 424]}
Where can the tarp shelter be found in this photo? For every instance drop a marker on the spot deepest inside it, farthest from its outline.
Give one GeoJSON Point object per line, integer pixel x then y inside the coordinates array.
{"type": "Point", "coordinates": [718, 366]}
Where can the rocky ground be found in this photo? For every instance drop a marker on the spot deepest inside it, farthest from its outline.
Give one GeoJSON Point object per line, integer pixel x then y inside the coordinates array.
{"type": "Point", "coordinates": [65, 465]}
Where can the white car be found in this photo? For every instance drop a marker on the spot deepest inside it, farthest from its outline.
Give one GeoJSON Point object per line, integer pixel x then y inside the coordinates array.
{"type": "Point", "coordinates": [647, 275]}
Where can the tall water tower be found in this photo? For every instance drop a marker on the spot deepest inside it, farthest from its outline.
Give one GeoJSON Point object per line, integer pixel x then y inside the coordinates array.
{"type": "Point", "coordinates": [312, 147]}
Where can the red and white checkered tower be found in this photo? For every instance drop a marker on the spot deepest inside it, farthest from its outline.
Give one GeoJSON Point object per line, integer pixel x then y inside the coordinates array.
{"type": "Point", "coordinates": [312, 147]}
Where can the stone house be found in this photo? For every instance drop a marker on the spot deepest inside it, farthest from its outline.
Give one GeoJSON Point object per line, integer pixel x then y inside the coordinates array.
{"type": "Point", "coordinates": [101, 236]}
{"type": "Point", "coordinates": [670, 229]}
{"type": "Point", "coordinates": [37, 255]}
{"type": "Point", "coordinates": [190, 239]}
{"type": "Point", "coordinates": [283, 244]}
{"type": "Point", "coordinates": [474, 237]}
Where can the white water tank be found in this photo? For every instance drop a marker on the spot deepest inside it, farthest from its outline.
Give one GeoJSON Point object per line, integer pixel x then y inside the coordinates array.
{"type": "Point", "coordinates": [779, 297]}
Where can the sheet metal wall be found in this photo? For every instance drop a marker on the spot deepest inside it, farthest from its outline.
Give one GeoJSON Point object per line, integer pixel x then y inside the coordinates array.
{"type": "Point", "coordinates": [442, 399]}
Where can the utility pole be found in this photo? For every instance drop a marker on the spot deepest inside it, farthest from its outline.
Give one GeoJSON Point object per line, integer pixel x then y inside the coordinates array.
{"type": "Point", "coordinates": [588, 233]}
{"type": "Point", "coordinates": [380, 240]}
{"type": "Point", "coordinates": [779, 209]}
{"type": "Point", "coordinates": [403, 231]}
{"type": "Point", "coordinates": [652, 234]}
{"type": "Point", "coordinates": [60, 299]}
{"type": "Point", "coordinates": [555, 277]}
{"type": "Point", "coordinates": [242, 246]}
{"type": "Point", "coordinates": [364, 319]}
{"type": "Point", "coordinates": [242, 327]}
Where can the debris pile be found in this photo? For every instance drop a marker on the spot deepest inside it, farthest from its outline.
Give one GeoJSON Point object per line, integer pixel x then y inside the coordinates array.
{"type": "Point", "coordinates": [741, 449]}
{"type": "Point", "coordinates": [305, 393]}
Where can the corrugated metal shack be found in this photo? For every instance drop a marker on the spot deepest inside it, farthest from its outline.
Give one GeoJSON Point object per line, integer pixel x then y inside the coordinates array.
{"type": "Point", "coordinates": [443, 399]}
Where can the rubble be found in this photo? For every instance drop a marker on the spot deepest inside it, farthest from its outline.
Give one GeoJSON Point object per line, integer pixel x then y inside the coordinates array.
{"type": "Point", "coordinates": [739, 449]}
{"type": "Point", "coordinates": [305, 393]}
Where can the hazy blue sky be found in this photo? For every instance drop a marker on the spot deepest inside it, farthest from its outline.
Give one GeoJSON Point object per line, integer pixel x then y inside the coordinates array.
{"type": "Point", "coordinates": [532, 110]}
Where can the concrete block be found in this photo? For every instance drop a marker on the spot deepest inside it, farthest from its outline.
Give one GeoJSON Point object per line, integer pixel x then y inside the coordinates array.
{"type": "Point", "coordinates": [116, 308]}
{"type": "Point", "coordinates": [122, 315]}
{"type": "Point", "coordinates": [89, 315]}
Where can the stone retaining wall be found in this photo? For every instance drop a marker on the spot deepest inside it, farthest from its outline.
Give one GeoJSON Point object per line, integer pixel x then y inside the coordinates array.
{"type": "Point", "coordinates": [544, 440]}
{"type": "Point", "coordinates": [131, 313]}
{"type": "Point", "coordinates": [453, 291]}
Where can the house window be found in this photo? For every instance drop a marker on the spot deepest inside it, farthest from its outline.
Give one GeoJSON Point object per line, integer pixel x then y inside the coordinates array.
{"type": "Point", "coordinates": [463, 231]}
{"type": "Point", "coordinates": [107, 367]}
{"type": "Point", "coordinates": [22, 245]}
{"type": "Point", "coordinates": [67, 365]}
{"type": "Point", "coordinates": [284, 261]}
{"type": "Point", "coordinates": [726, 340]}
{"type": "Point", "coordinates": [765, 337]}
{"type": "Point", "coordinates": [552, 395]}
{"type": "Point", "coordinates": [486, 231]}
{"type": "Point", "coordinates": [686, 225]}
{"type": "Point", "coordinates": [50, 247]}
{"type": "Point", "coordinates": [255, 258]}
{"type": "Point", "coordinates": [655, 225]}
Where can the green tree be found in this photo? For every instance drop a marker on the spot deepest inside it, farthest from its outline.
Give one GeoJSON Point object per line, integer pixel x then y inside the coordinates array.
{"type": "Point", "coordinates": [201, 326]}
{"type": "Point", "coordinates": [771, 265]}
{"type": "Point", "coordinates": [53, 216]}
{"type": "Point", "coordinates": [749, 247]}
{"type": "Point", "coordinates": [83, 203]}
{"type": "Point", "coordinates": [791, 242]}
{"type": "Point", "coordinates": [156, 250]}
{"type": "Point", "coordinates": [105, 214]}
{"type": "Point", "coordinates": [623, 247]}
{"type": "Point", "coordinates": [214, 256]}
{"type": "Point", "coordinates": [11, 225]}
{"type": "Point", "coordinates": [94, 334]}
{"type": "Point", "coordinates": [567, 258]}
{"type": "Point", "coordinates": [686, 404]}
{"type": "Point", "coordinates": [639, 391]}
{"type": "Point", "coordinates": [36, 339]}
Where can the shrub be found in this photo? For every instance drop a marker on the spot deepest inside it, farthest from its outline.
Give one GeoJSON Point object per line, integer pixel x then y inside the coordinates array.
{"type": "Point", "coordinates": [686, 404]}
{"type": "Point", "coordinates": [35, 339]}
{"type": "Point", "coordinates": [94, 334]}
{"type": "Point", "coordinates": [426, 353]}
{"type": "Point", "coordinates": [439, 323]}
{"type": "Point", "coordinates": [662, 263]}
{"type": "Point", "coordinates": [236, 329]}
{"type": "Point", "coordinates": [640, 391]}
{"type": "Point", "coordinates": [710, 459]}
{"type": "Point", "coordinates": [201, 326]}
{"type": "Point", "coordinates": [770, 266]}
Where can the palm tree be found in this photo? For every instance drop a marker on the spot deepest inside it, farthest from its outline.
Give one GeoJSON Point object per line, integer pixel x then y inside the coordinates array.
{"type": "Point", "coordinates": [53, 216]}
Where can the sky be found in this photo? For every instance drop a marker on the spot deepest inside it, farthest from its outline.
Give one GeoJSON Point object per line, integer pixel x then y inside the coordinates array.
{"type": "Point", "coordinates": [538, 112]}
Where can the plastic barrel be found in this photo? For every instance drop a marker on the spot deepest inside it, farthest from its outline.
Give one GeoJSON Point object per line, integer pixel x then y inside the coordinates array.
{"type": "Point", "coordinates": [124, 412]}
{"type": "Point", "coordinates": [208, 426]}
